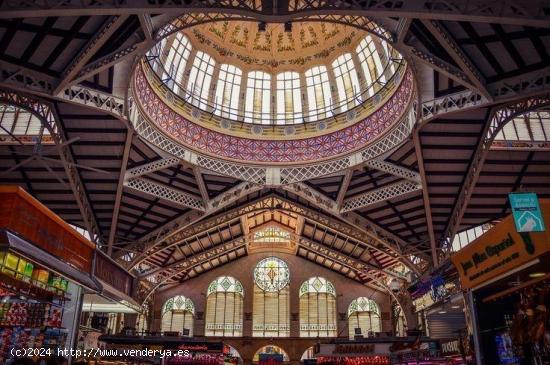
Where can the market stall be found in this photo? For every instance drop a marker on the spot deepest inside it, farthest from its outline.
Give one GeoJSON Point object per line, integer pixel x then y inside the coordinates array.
{"type": "Point", "coordinates": [507, 275]}
{"type": "Point", "coordinates": [44, 267]}
{"type": "Point", "coordinates": [378, 351]}
{"type": "Point", "coordinates": [155, 350]}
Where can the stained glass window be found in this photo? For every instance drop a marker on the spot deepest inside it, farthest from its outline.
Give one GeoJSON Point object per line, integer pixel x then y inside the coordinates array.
{"type": "Point", "coordinates": [318, 93]}
{"type": "Point", "coordinates": [271, 274]}
{"type": "Point", "coordinates": [257, 107]}
{"type": "Point", "coordinates": [349, 91]}
{"type": "Point", "coordinates": [227, 91]}
{"type": "Point", "coordinates": [317, 308]}
{"type": "Point", "coordinates": [178, 315]}
{"type": "Point", "coordinates": [272, 235]}
{"type": "Point", "coordinates": [200, 78]}
{"type": "Point", "coordinates": [289, 101]}
{"type": "Point", "coordinates": [175, 62]}
{"type": "Point", "coordinates": [224, 307]}
{"type": "Point", "coordinates": [271, 306]}
{"type": "Point", "coordinates": [363, 313]}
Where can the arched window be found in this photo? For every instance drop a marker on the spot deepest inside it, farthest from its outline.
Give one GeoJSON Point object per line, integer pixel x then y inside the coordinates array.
{"type": "Point", "coordinates": [272, 235]}
{"type": "Point", "coordinates": [370, 62]}
{"type": "Point", "coordinates": [227, 91]}
{"type": "Point", "coordinates": [175, 62]}
{"type": "Point", "coordinates": [318, 93]}
{"type": "Point", "coordinates": [317, 308]}
{"type": "Point", "coordinates": [363, 313]}
{"type": "Point", "coordinates": [271, 315]}
{"type": "Point", "coordinates": [224, 307]}
{"type": "Point", "coordinates": [177, 315]}
{"type": "Point", "coordinates": [18, 125]}
{"type": "Point", "coordinates": [257, 107]}
{"type": "Point", "coordinates": [349, 91]}
{"type": "Point", "coordinates": [533, 126]}
{"type": "Point", "coordinates": [200, 78]}
{"type": "Point", "coordinates": [289, 101]}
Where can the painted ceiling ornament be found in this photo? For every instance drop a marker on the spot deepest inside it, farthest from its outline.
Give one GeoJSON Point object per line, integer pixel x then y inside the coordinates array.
{"type": "Point", "coordinates": [271, 274]}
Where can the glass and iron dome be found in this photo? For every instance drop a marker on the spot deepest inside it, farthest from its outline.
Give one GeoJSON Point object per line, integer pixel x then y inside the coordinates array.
{"type": "Point", "coordinates": [236, 71]}
{"type": "Point", "coordinates": [228, 90]}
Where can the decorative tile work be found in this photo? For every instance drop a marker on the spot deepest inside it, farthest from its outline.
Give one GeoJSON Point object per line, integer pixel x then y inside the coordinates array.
{"type": "Point", "coordinates": [311, 149]}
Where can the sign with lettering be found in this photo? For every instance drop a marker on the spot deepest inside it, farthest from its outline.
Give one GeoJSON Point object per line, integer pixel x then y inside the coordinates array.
{"type": "Point", "coordinates": [29, 219]}
{"type": "Point", "coordinates": [499, 250]}
{"type": "Point", "coordinates": [526, 212]}
{"type": "Point", "coordinates": [450, 347]}
{"type": "Point", "coordinates": [112, 274]}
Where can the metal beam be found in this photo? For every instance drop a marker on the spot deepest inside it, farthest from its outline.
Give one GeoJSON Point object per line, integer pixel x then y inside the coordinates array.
{"type": "Point", "coordinates": [47, 114]}
{"type": "Point", "coordinates": [120, 188]}
{"type": "Point", "coordinates": [497, 119]}
{"type": "Point", "coordinates": [344, 188]}
{"type": "Point", "coordinates": [150, 167]}
{"type": "Point", "coordinates": [379, 195]}
{"type": "Point", "coordinates": [394, 170]}
{"type": "Point", "coordinates": [89, 50]}
{"type": "Point", "coordinates": [457, 54]}
{"type": "Point", "coordinates": [425, 195]}
{"type": "Point", "coordinates": [190, 263]}
{"type": "Point", "coordinates": [180, 263]}
{"type": "Point", "coordinates": [320, 248]}
{"type": "Point", "coordinates": [527, 13]}
{"type": "Point", "coordinates": [165, 192]}
{"type": "Point", "coordinates": [442, 67]}
{"type": "Point", "coordinates": [200, 182]}
{"type": "Point", "coordinates": [371, 231]}
{"type": "Point", "coordinates": [181, 226]}
{"type": "Point", "coordinates": [146, 24]}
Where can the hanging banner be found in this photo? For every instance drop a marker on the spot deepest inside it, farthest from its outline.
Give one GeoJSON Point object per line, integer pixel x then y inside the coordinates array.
{"type": "Point", "coordinates": [499, 250]}
{"type": "Point", "coordinates": [526, 212]}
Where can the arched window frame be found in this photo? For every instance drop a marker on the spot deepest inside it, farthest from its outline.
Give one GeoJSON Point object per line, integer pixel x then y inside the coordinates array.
{"type": "Point", "coordinates": [318, 93]}
{"type": "Point", "coordinates": [371, 64]}
{"type": "Point", "coordinates": [257, 106]}
{"type": "Point", "coordinates": [178, 305]}
{"type": "Point", "coordinates": [200, 78]}
{"type": "Point", "coordinates": [271, 298]}
{"type": "Point", "coordinates": [228, 90]}
{"type": "Point", "coordinates": [347, 82]}
{"type": "Point", "coordinates": [226, 294]}
{"type": "Point", "coordinates": [318, 308]}
{"type": "Point", "coordinates": [289, 98]}
{"type": "Point", "coordinates": [356, 310]}
{"type": "Point", "coordinates": [174, 64]}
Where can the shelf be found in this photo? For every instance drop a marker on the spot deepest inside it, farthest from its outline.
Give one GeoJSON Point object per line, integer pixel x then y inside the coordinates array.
{"type": "Point", "coordinates": [21, 288]}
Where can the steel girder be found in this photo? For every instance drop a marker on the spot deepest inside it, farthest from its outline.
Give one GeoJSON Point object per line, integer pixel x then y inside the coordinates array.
{"type": "Point", "coordinates": [497, 119]}
{"type": "Point", "coordinates": [47, 114]}
{"type": "Point", "coordinates": [528, 13]}
{"type": "Point", "coordinates": [185, 225]}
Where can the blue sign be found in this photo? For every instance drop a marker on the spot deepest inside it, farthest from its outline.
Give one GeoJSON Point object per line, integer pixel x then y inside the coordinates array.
{"type": "Point", "coordinates": [526, 212]}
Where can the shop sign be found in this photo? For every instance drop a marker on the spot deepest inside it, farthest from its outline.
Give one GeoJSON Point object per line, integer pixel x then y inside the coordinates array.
{"type": "Point", "coordinates": [450, 348]}
{"type": "Point", "coordinates": [526, 212]}
{"type": "Point", "coordinates": [26, 217]}
{"type": "Point", "coordinates": [112, 274]}
{"type": "Point", "coordinates": [354, 349]}
{"type": "Point", "coordinates": [499, 250]}
{"type": "Point", "coordinates": [351, 349]}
